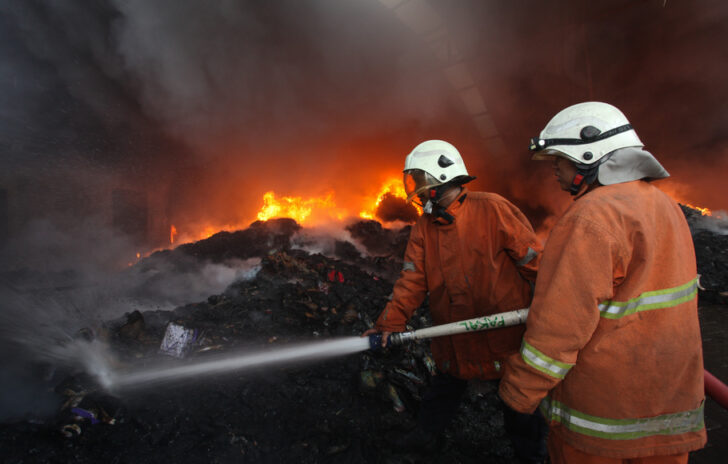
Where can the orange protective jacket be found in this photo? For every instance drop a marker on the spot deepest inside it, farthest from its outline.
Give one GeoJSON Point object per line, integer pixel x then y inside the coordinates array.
{"type": "Point", "coordinates": [612, 336]}
{"type": "Point", "coordinates": [480, 264]}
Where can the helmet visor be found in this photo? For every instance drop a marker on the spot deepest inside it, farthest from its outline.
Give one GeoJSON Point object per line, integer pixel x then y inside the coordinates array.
{"type": "Point", "coordinates": [416, 181]}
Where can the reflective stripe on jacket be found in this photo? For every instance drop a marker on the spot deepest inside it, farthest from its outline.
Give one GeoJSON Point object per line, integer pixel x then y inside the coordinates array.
{"type": "Point", "coordinates": [612, 335]}
{"type": "Point", "coordinates": [483, 263]}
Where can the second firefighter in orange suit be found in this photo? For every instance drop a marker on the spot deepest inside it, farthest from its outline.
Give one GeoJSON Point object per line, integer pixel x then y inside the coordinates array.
{"type": "Point", "coordinates": [473, 254]}
{"type": "Point", "coordinates": [612, 352]}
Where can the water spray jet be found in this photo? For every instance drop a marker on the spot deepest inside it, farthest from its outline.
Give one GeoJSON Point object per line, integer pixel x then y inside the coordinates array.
{"type": "Point", "coordinates": [296, 353]}
{"type": "Point", "coordinates": [115, 381]}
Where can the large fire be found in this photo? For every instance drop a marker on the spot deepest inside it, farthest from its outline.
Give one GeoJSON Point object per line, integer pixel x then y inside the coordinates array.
{"type": "Point", "coordinates": [299, 208]}
{"type": "Point", "coordinates": [304, 210]}
{"type": "Point", "coordinates": [316, 210]}
{"type": "Point", "coordinates": [311, 210]}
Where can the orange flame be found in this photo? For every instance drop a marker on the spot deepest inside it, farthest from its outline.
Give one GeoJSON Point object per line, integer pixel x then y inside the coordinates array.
{"type": "Point", "coordinates": [703, 211]}
{"type": "Point", "coordinates": [393, 186]}
{"type": "Point", "coordinates": [304, 210]}
{"type": "Point", "coordinates": [138, 257]}
{"type": "Point", "coordinates": [298, 208]}
{"type": "Point", "coordinates": [209, 231]}
{"type": "Point", "coordinates": [679, 193]}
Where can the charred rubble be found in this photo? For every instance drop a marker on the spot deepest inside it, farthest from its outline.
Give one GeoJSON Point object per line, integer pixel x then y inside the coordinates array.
{"type": "Point", "coordinates": [345, 409]}
{"type": "Point", "coordinates": [710, 237]}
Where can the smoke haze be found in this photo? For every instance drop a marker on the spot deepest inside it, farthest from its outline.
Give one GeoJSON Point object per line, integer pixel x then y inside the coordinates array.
{"type": "Point", "coordinates": [207, 105]}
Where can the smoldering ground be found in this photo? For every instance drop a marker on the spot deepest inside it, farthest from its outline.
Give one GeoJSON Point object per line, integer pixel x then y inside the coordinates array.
{"type": "Point", "coordinates": [340, 407]}
{"type": "Point", "coordinates": [58, 297]}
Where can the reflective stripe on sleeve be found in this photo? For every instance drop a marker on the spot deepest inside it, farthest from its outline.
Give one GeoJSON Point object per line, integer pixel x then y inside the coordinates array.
{"type": "Point", "coordinates": [527, 259]}
{"type": "Point", "coordinates": [623, 429]}
{"type": "Point", "coordinates": [408, 266]}
{"type": "Point", "coordinates": [647, 301]}
{"type": "Point", "coordinates": [543, 363]}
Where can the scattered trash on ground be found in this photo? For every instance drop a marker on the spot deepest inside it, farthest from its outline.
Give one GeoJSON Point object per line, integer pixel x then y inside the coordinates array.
{"type": "Point", "coordinates": [337, 410]}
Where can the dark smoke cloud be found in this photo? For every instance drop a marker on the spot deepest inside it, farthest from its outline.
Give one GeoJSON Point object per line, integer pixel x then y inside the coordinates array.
{"type": "Point", "coordinates": [277, 75]}
{"type": "Point", "coordinates": [661, 62]}
{"type": "Point", "coordinates": [207, 104]}
{"type": "Point", "coordinates": [65, 86]}
{"type": "Point", "coordinates": [393, 209]}
{"type": "Point", "coordinates": [252, 86]}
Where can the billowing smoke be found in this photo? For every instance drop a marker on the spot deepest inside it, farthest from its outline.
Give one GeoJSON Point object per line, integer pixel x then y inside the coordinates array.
{"type": "Point", "coordinates": [393, 208]}
{"type": "Point", "coordinates": [207, 105]}
{"type": "Point", "coordinates": [660, 62]}
{"type": "Point", "coordinates": [716, 224]}
{"type": "Point", "coordinates": [299, 98]}
{"type": "Point", "coordinates": [286, 96]}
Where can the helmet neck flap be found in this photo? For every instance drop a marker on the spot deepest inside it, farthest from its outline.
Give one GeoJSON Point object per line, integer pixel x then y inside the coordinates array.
{"type": "Point", "coordinates": [596, 137]}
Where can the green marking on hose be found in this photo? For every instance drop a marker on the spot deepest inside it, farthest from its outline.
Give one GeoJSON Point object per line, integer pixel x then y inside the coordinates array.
{"type": "Point", "coordinates": [484, 323]}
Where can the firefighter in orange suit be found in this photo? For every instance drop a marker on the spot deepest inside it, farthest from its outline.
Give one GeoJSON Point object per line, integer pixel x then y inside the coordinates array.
{"type": "Point", "coordinates": [473, 254]}
{"type": "Point", "coordinates": [612, 354]}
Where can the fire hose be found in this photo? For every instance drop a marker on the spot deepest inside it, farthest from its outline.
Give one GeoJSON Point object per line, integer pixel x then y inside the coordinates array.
{"type": "Point", "coordinates": [714, 388]}
{"type": "Point", "coordinates": [494, 321]}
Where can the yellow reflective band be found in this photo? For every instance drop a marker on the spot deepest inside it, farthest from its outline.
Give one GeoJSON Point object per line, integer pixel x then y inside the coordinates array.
{"type": "Point", "coordinates": [648, 301]}
{"type": "Point", "coordinates": [543, 363]}
{"type": "Point", "coordinates": [623, 429]}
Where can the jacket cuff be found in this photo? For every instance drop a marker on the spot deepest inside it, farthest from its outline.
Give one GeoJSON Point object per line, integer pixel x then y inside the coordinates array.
{"type": "Point", "coordinates": [514, 400]}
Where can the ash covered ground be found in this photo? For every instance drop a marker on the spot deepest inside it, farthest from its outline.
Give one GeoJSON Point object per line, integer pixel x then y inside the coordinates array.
{"type": "Point", "coordinates": [341, 409]}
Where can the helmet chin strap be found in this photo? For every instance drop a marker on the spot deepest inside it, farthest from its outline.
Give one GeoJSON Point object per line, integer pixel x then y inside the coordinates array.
{"type": "Point", "coordinates": [576, 184]}
{"type": "Point", "coordinates": [435, 194]}
{"type": "Point", "coordinates": [585, 174]}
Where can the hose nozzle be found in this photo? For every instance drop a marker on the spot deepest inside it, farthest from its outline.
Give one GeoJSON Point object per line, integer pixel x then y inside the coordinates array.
{"type": "Point", "coordinates": [375, 341]}
{"type": "Point", "coordinates": [395, 339]}
{"type": "Point", "coordinates": [401, 338]}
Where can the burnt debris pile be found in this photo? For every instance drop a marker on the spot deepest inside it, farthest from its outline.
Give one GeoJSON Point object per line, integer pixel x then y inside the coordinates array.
{"type": "Point", "coordinates": [296, 287]}
{"type": "Point", "coordinates": [710, 237]}
{"type": "Point", "coordinates": [341, 409]}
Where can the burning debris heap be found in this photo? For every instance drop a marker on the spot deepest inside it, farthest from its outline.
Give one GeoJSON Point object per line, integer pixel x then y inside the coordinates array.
{"type": "Point", "coordinates": [710, 237]}
{"type": "Point", "coordinates": [343, 409]}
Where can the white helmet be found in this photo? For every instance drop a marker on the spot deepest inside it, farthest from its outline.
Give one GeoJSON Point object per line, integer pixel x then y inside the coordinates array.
{"type": "Point", "coordinates": [585, 133]}
{"type": "Point", "coordinates": [602, 144]}
{"type": "Point", "coordinates": [430, 164]}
